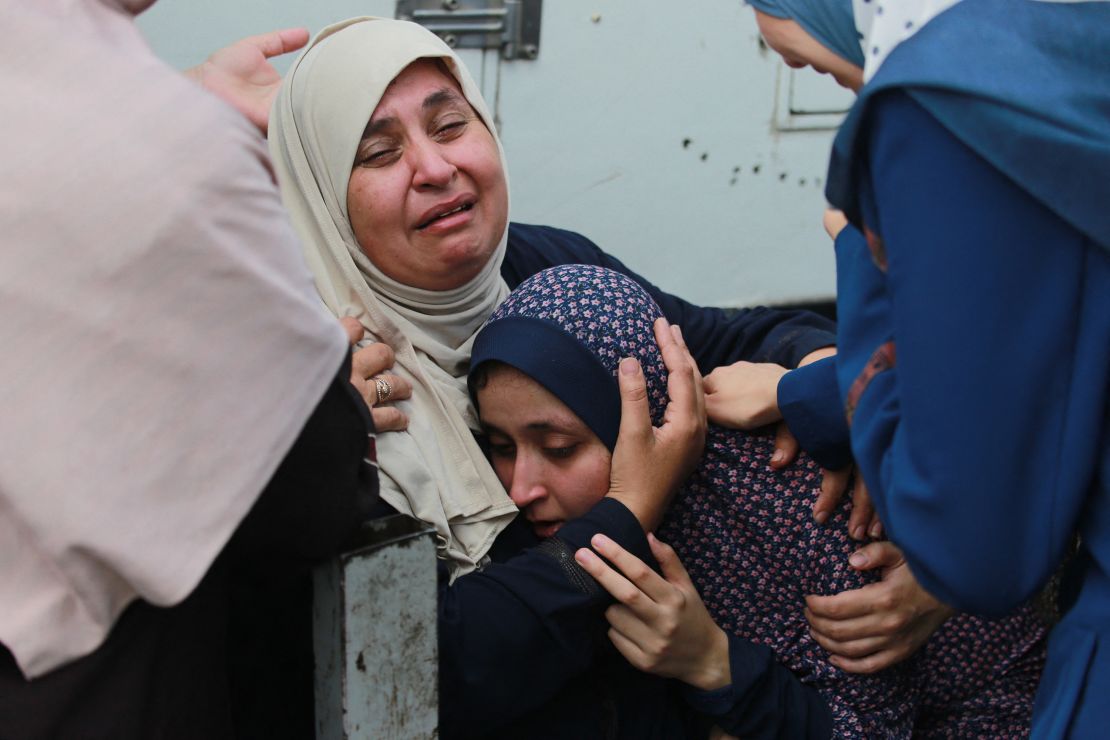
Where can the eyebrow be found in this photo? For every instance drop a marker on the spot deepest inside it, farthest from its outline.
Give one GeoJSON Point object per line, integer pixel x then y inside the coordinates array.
{"type": "Point", "coordinates": [441, 97]}
{"type": "Point", "coordinates": [535, 426]}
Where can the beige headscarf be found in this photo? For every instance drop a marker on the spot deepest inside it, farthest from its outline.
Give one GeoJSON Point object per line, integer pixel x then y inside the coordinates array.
{"type": "Point", "coordinates": [160, 341]}
{"type": "Point", "coordinates": [435, 470]}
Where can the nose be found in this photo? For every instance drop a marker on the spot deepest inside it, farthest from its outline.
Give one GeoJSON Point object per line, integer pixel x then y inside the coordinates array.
{"type": "Point", "coordinates": [527, 485]}
{"type": "Point", "coordinates": [431, 168]}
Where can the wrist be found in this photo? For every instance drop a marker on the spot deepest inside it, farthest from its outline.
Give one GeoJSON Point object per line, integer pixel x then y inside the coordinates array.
{"type": "Point", "coordinates": [817, 354]}
{"type": "Point", "coordinates": [714, 672]}
{"type": "Point", "coordinates": [646, 515]}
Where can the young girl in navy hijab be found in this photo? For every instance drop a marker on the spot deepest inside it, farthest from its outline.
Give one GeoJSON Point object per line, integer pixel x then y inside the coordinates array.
{"type": "Point", "coordinates": [974, 307]}
{"type": "Point", "coordinates": [744, 531]}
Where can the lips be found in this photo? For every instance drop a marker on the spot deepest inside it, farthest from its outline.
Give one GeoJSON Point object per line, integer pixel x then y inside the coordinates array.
{"type": "Point", "coordinates": [545, 529]}
{"type": "Point", "coordinates": [443, 210]}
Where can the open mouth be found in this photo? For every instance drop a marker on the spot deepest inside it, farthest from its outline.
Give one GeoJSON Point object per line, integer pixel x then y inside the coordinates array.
{"type": "Point", "coordinates": [444, 214]}
{"type": "Point", "coordinates": [545, 529]}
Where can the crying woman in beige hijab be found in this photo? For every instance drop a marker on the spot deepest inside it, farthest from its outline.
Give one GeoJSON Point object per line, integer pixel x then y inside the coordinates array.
{"type": "Point", "coordinates": [390, 165]}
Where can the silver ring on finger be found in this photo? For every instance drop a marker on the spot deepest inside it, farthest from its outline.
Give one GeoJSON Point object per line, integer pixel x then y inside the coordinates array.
{"type": "Point", "coordinates": [383, 389]}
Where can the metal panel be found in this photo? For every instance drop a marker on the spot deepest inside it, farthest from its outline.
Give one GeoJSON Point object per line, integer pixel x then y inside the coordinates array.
{"type": "Point", "coordinates": [375, 636]}
{"type": "Point", "coordinates": [510, 26]}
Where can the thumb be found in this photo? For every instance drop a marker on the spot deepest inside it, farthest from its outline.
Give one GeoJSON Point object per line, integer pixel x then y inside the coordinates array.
{"type": "Point", "coordinates": [786, 446]}
{"type": "Point", "coordinates": [353, 328]}
{"type": "Point", "coordinates": [635, 415]}
{"type": "Point", "coordinates": [876, 555]}
{"type": "Point", "coordinates": [276, 43]}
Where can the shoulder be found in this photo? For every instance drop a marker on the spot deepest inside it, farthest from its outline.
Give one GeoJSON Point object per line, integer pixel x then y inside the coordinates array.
{"type": "Point", "coordinates": [532, 248]}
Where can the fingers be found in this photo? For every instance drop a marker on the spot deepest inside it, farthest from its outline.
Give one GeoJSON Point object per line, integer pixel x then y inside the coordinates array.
{"type": "Point", "coordinates": [276, 43]}
{"type": "Point", "coordinates": [875, 526]}
{"type": "Point", "coordinates": [842, 606]}
{"type": "Point", "coordinates": [871, 663]}
{"type": "Point", "coordinates": [863, 519]}
{"type": "Point", "coordinates": [786, 450]}
{"type": "Point", "coordinates": [354, 329]}
{"type": "Point", "coordinates": [371, 360]}
{"type": "Point", "coordinates": [695, 374]}
{"type": "Point", "coordinates": [683, 381]}
{"type": "Point", "coordinates": [399, 388]}
{"type": "Point", "coordinates": [673, 569]}
{"type": "Point", "coordinates": [389, 419]}
{"type": "Point", "coordinates": [619, 587]}
{"type": "Point", "coordinates": [635, 414]}
{"type": "Point", "coordinates": [859, 635]}
{"type": "Point", "coordinates": [629, 649]}
{"type": "Point", "coordinates": [851, 649]}
{"type": "Point", "coordinates": [834, 221]}
{"type": "Point", "coordinates": [833, 485]}
{"type": "Point", "coordinates": [876, 555]}
{"type": "Point", "coordinates": [639, 575]}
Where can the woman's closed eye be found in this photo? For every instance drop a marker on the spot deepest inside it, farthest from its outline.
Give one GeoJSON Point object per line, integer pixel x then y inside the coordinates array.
{"type": "Point", "coordinates": [377, 153]}
{"type": "Point", "coordinates": [449, 128]}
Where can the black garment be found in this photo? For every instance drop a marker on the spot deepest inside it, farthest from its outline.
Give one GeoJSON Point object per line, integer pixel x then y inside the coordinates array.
{"type": "Point", "coordinates": [163, 672]}
{"type": "Point", "coordinates": [524, 651]}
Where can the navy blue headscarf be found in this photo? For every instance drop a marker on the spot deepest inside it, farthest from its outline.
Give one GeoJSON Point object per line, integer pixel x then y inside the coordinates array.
{"type": "Point", "coordinates": [831, 22]}
{"type": "Point", "coordinates": [1023, 83]}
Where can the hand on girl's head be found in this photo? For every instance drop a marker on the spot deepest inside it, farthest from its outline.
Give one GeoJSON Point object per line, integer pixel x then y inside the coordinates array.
{"type": "Point", "coordinates": [649, 463]}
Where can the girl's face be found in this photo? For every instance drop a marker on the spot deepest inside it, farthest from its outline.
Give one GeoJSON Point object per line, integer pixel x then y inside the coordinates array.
{"type": "Point", "coordinates": [798, 49]}
{"type": "Point", "coordinates": [553, 465]}
{"type": "Point", "coordinates": [427, 198]}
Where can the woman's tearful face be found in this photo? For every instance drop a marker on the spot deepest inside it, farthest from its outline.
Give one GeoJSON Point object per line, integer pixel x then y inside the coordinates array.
{"type": "Point", "coordinates": [553, 466]}
{"type": "Point", "coordinates": [427, 198]}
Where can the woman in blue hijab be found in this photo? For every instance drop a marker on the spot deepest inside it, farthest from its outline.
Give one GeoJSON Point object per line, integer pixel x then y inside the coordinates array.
{"type": "Point", "coordinates": [974, 305]}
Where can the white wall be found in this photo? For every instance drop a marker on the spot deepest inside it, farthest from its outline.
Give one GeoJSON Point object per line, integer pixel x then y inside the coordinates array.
{"type": "Point", "coordinates": [596, 128]}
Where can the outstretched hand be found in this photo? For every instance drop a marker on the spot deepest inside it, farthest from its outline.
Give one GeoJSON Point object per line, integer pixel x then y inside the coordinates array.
{"type": "Point", "coordinates": [660, 624]}
{"type": "Point", "coordinates": [871, 628]}
{"type": "Point", "coordinates": [241, 74]}
{"type": "Point", "coordinates": [649, 463]}
{"type": "Point", "coordinates": [744, 395]}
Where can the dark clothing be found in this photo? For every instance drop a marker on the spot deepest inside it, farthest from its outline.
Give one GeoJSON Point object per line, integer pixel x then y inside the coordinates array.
{"type": "Point", "coordinates": [715, 337]}
{"type": "Point", "coordinates": [523, 644]}
{"type": "Point", "coordinates": [531, 657]}
{"type": "Point", "coordinates": [524, 651]}
{"type": "Point", "coordinates": [163, 672]}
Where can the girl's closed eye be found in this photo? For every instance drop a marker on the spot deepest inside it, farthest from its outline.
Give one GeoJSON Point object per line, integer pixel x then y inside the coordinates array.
{"type": "Point", "coordinates": [501, 449]}
{"type": "Point", "coordinates": [561, 451]}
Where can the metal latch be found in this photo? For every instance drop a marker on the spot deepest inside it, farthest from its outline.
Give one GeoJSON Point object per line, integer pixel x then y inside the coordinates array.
{"type": "Point", "coordinates": [513, 26]}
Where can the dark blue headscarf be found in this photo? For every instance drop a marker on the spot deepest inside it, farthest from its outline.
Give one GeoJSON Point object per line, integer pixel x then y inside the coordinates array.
{"type": "Point", "coordinates": [831, 22]}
